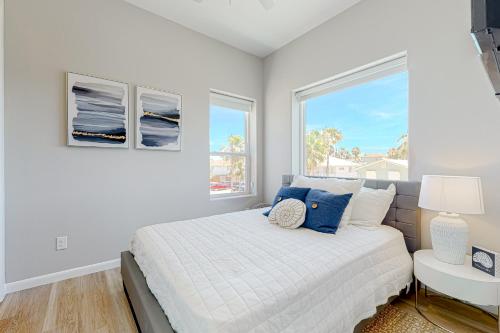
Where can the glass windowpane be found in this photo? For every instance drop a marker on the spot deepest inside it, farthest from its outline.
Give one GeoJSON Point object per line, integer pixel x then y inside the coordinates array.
{"type": "Point", "coordinates": [227, 174]}
{"type": "Point", "coordinates": [227, 130]}
{"type": "Point", "coordinates": [360, 131]}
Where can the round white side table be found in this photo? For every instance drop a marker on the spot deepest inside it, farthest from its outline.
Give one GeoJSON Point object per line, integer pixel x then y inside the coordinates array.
{"type": "Point", "coordinates": [462, 282]}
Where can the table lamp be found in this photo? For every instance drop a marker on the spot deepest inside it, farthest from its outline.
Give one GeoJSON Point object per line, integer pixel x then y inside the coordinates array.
{"type": "Point", "coordinates": [451, 196]}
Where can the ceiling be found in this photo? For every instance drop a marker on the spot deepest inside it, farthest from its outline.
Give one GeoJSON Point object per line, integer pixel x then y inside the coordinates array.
{"type": "Point", "coordinates": [245, 24]}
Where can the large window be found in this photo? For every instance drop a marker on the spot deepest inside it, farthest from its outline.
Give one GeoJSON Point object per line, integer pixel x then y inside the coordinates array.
{"type": "Point", "coordinates": [356, 125]}
{"type": "Point", "coordinates": [230, 145]}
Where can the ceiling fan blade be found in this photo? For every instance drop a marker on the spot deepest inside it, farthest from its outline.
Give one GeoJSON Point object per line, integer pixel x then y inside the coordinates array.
{"type": "Point", "coordinates": [267, 4]}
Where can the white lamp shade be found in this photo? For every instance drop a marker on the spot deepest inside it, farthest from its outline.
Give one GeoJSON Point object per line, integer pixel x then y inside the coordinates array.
{"type": "Point", "coordinates": [453, 194]}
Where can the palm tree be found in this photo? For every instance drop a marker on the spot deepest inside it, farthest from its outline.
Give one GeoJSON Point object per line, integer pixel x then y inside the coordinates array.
{"type": "Point", "coordinates": [403, 147]}
{"type": "Point", "coordinates": [356, 153]}
{"type": "Point", "coordinates": [393, 153]}
{"type": "Point", "coordinates": [331, 137]}
{"type": "Point", "coordinates": [401, 151]}
{"type": "Point", "coordinates": [344, 154]}
{"type": "Point", "coordinates": [315, 149]}
{"type": "Point", "coordinates": [235, 144]}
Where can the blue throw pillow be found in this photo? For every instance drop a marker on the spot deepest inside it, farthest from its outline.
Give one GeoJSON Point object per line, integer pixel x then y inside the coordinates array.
{"type": "Point", "coordinates": [325, 210]}
{"type": "Point", "coordinates": [284, 193]}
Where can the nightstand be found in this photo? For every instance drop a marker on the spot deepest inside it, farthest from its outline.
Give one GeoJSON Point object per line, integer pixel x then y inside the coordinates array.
{"type": "Point", "coordinates": [462, 282]}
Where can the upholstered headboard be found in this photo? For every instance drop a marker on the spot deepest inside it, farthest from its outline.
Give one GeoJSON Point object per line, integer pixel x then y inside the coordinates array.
{"type": "Point", "coordinates": [404, 213]}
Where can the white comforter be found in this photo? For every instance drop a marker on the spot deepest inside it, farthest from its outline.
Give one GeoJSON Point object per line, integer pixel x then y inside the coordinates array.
{"type": "Point", "coordinates": [238, 273]}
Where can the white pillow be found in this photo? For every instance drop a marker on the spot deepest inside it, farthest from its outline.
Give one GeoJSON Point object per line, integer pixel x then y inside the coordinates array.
{"type": "Point", "coordinates": [289, 213]}
{"type": "Point", "coordinates": [335, 186]}
{"type": "Point", "coordinates": [371, 206]}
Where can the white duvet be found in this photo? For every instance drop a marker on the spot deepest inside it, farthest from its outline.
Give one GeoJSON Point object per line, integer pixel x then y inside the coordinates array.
{"type": "Point", "coordinates": [238, 273]}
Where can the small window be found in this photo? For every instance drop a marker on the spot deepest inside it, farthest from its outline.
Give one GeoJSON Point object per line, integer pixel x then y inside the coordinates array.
{"type": "Point", "coordinates": [371, 174]}
{"type": "Point", "coordinates": [356, 124]}
{"type": "Point", "coordinates": [393, 175]}
{"type": "Point", "coordinates": [230, 145]}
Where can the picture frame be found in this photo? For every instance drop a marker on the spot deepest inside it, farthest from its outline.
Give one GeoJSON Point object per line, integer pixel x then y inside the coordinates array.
{"type": "Point", "coordinates": [158, 119]}
{"type": "Point", "coordinates": [97, 112]}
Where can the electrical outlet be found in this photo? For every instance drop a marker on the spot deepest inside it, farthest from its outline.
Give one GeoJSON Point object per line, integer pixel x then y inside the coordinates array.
{"type": "Point", "coordinates": [61, 243]}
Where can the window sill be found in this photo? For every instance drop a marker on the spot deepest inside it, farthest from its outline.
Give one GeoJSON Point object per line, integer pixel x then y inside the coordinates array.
{"type": "Point", "coordinates": [236, 196]}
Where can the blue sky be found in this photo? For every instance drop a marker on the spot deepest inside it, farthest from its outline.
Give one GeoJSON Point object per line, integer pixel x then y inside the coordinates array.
{"type": "Point", "coordinates": [371, 116]}
{"type": "Point", "coordinates": [224, 123]}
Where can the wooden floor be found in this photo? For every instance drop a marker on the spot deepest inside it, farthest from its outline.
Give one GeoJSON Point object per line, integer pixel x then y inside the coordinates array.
{"type": "Point", "coordinates": [97, 303]}
{"type": "Point", "coordinates": [453, 315]}
{"type": "Point", "coordinates": [92, 303]}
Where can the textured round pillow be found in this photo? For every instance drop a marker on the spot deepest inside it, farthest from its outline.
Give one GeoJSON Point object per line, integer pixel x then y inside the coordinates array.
{"type": "Point", "coordinates": [289, 213]}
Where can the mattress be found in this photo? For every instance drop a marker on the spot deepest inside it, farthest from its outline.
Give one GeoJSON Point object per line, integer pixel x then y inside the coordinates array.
{"type": "Point", "coordinates": [238, 273]}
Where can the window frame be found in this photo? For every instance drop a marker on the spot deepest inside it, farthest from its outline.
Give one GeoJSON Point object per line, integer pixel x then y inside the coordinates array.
{"type": "Point", "coordinates": [250, 144]}
{"type": "Point", "coordinates": [373, 71]}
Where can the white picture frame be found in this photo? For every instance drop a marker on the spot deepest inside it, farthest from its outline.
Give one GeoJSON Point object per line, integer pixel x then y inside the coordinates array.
{"type": "Point", "coordinates": [158, 119]}
{"type": "Point", "coordinates": [97, 112]}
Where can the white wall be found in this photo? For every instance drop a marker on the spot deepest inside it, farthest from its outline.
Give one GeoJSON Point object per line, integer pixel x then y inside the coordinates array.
{"type": "Point", "coordinates": [2, 159]}
{"type": "Point", "coordinates": [454, 117]}
{"type": "Point", "coordinates": [98, 197]}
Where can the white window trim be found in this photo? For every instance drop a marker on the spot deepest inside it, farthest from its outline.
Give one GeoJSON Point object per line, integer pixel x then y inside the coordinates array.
{"type": "Point", "coordinates": [383, 67]}
{"type": "Point", "coordinates": [250, 147]}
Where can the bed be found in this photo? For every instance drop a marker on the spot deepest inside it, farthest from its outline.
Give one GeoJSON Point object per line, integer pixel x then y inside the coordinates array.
{"type": "Point", "coordinates": [237, 273]}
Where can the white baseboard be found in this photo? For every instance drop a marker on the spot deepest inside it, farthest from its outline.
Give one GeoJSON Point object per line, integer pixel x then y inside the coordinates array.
{"type": "Point", "coordinates": [59, 276]}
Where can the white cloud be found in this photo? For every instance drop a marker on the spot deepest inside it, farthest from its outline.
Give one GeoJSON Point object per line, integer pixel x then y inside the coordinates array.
{"type": "Point", "coordinates": [383, 114]}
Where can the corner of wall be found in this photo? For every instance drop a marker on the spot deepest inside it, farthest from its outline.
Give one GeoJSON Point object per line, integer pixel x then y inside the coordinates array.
{"type": "Point", "coordinates": [2, 156]}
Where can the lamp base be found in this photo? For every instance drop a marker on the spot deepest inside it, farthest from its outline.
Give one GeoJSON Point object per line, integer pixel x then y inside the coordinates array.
{"type": "Point", "coordinates": [449, 234]}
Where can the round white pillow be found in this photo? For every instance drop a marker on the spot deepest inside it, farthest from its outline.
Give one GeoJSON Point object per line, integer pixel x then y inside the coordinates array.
{"type": "Point", "coordinates": [289, 213]}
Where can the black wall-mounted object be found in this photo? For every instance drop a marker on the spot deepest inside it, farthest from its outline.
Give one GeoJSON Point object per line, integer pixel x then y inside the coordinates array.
{"type": "Point", "coordinates": [485, 14]}
{"type": "Point", "coordinates": [486, 33]}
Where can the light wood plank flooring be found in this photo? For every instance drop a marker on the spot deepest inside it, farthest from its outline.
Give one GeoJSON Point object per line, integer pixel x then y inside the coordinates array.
{"type": "Point", "coordinates": [92, 303]}
{"type": "Point", "coordinates": [458, 317]}
{"type": "Point", "coordinates": [97, 303]}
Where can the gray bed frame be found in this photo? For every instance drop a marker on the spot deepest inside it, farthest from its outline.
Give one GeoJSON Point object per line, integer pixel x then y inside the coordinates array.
{"type": "Point", "coordinates": [403, 215]}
